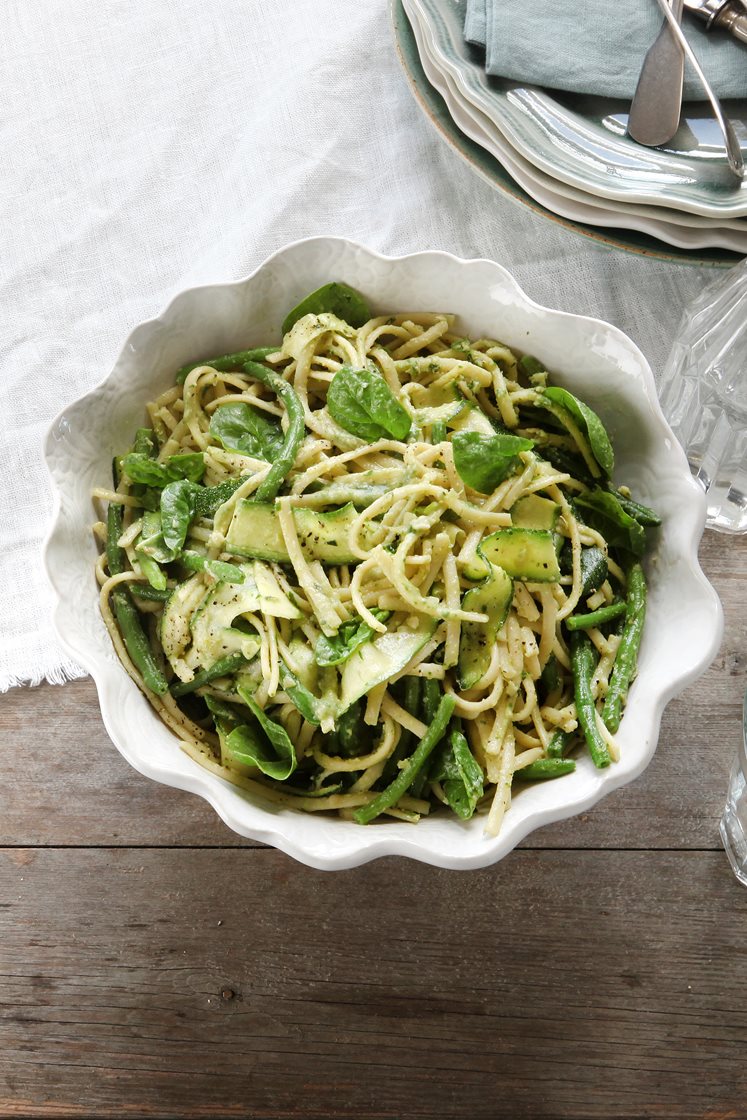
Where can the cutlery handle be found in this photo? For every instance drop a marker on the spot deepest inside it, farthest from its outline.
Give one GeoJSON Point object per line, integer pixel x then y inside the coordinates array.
{"type": "Point", "coordinates": [734, 21]}
{"type": "Point", "coordinates": [657, 103]}
{"type": "Point", "coordinates": [731, 143]}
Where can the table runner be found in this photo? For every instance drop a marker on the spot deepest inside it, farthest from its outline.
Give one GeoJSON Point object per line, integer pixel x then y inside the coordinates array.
{"type": "Point", "coordinates": [153, 147]}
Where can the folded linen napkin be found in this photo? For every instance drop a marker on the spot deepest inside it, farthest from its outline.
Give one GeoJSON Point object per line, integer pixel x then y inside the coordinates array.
{"type": "Point", "coordinates": [593, 46]}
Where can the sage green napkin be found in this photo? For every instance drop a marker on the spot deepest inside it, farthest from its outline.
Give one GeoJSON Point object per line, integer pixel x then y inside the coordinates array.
{"type": "Point", "coordinates": [594, 46]}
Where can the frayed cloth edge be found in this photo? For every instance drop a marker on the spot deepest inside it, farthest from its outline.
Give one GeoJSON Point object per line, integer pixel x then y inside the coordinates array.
{"type": "Point", "coordinates": [60, 673]}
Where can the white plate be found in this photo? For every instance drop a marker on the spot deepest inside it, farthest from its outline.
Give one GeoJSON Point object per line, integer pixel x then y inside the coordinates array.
{"type": "Point", "coordinates": [682, 230]}
{"type": "Point", "coordinates": [592, 358]}
{"type": "Point", "coordinates": [582, 141]}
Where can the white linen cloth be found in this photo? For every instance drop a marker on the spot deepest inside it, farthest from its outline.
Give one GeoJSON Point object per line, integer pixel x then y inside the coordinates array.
{"type": "Point", "coordinates": [151, 147]}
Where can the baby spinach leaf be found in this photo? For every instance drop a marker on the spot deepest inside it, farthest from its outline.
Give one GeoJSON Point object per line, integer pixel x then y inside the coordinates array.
{"type": "Point", "coordinates": [141, 468]}
{"type": "Point", "coordinates": [484, 461]}
{"type": "Point", "coordinates": [240, 427]}
{"type": "Point", "coordinates": [151, 542]}
{"type": "Point", "coordinates": [338, 648]}
{"type": "Point", "coordinates": [354, 736]}
{"type": "Point", "coordinates": [362, 403]}
{"type": "Point", "coordinates": [530, 366]}
{"type": "Point", "coordinates": [307, 703]}
{"type": "Point", "coordinates": [600, 510]}
{"type": "Point", "coordinates": [335, 297]}
{"type": "Point", "coordinates": [460, 774]}
{"type": "Point", "coordinates": [464, 781]}
{"type": "Point", "coordinates": [188, 464]}
{"type": "Point", "coordinates": [145, 443]}
{"type": "Point", "coordinates": [208, 498]}
{"type": "Point", "coordinates": [588, 422]}
{"type": "Point", "coordinates": [264, 744]}
{"type": "Point", "coordinates": [177, 510]}
{"type": "Point", "coordinates": [594, 569]}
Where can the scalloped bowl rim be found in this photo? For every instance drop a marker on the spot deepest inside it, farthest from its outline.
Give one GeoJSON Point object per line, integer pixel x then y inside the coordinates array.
{"type": "Point", "coordinates": [308, 837]}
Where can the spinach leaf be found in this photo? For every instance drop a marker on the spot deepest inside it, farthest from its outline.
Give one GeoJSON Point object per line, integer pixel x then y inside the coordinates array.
{"type": "Point", "coordinates": [208, 498]}
{"type": "Point", "coordinates": [177, 510]}
{"type": "Point", "coordinates": [588, 422]}
{"type": "Point", "coordinates": [151, 542]}
{"type": "Point", "coordinates": [240, 427]}
{"type": "Point", "coordinates": [362, 403]}
{"type": "Point", "coordinates": [146, 443]}
{"type": "Point", "coordinates": [460, 774]}
{"type": "Point", "coordinates": [530, 366]}
{"type": "Point", "coordinates": [335, 297]}
{"type": "Point", "coordinates": [335, 650]}
{"type": "Point", "coordinates": [264, 744]}
{"type": "Point", "coordinates": [354, 737]}
{"type": "Point", "coordinates": [594, 569]}
{"type": "Point", "coordinates": [304, 699]}
{"type": "Point", "coordinates": [188, 464]}
{"type": "Point", "coordinates": [140, 468]}
{"type": "Point", "coordinates": [484, 461]}
{"type": "Point", "coordinates": [600, 510]}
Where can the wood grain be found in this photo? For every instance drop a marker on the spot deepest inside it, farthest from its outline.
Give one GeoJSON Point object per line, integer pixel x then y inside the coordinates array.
{"type": "Point", "coordinates": [194, 983]}
{"type": "Point", "coordinates": [153, 964]}
{"type": "Point", "coordinates": [64, 783]}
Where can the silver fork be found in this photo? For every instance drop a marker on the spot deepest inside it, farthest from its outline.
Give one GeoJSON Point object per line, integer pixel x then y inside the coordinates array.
{"type": "Point", "coordinates": [733, 152]}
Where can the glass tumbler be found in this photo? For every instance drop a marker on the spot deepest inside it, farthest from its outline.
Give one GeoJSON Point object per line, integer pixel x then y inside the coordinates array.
{"type": "Point", "coordinates": [734, 820]}
{"type": "Point", "coordinates": [703, 394]}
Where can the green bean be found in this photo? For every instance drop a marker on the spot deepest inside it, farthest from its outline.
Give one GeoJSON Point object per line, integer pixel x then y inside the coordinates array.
{"type": "Point", "coordinates": [412, 695]}
{"type": "Point", "coordinates": [222, 668]}
{"type": "Point", "coordinates": [219, 569]}
{"type": "Point", "coordinates": [595, 618]}
{"type": "Point", "coordinates": [626, 658]}
{"type": "Point", "coordinates": [431, 699]}
{"type": "Point", "coordinates": [560, 743]}
{"type": "Point", "coordinates": [543, 769]}
{"type": "Point", "coordinates": [125, 611]}
{"type": "Point", "coordinates": [115, 556]}
{"type": "Point", "coordinates": [583, 664]}
{"type": "Point", "coordinates": [152, 571]}
{"type": "Point", "coordinates": [411, 705]}
{"type": "Point", "coordinates": [136, 641]}
{"type": "Point", "coordinates": [293, 436]}
{"type": "Point", "coordinates": [391, 795]}
{"type": "Point", "coordinates": [228, 361]}
{"type": "Point", "coordinates": [153, 594]}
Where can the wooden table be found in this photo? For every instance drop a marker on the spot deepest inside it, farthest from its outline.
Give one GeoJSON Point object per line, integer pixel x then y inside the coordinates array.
{"type": "Point", "coordinates": [153, 964]}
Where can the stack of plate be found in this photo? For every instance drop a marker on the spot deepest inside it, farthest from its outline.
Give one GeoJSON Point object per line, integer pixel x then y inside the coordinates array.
{"type": "Point", "coordinates": [569, 156]}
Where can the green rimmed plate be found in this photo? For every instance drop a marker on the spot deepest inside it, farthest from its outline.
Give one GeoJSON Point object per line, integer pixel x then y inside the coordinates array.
{"type": "Point", "coordinates": [493, 172]}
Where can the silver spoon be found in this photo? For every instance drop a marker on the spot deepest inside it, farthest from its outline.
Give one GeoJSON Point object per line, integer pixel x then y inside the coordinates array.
{"type": "Point", "coordinates": [733, 152]}
{"type": "Point", "coordinates": [657, 103]}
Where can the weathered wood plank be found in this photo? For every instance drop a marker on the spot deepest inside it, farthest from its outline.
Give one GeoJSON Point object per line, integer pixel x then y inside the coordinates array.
{"type": "Point", "coordinates": [197, 983]}
{"type": "Point", "coordinates": [64, 783]}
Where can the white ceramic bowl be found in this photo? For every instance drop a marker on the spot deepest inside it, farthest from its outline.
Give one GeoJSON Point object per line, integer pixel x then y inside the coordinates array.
{"type": "Point", "coordinates": [591, 358]}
